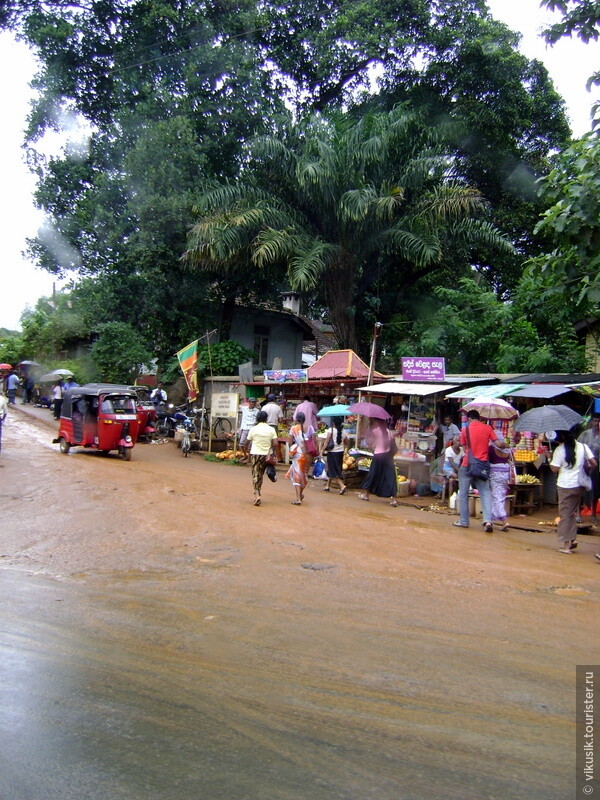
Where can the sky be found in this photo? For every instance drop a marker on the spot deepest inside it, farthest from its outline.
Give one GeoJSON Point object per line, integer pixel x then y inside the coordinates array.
{"type": "Point", "coordinates": [569, 62]}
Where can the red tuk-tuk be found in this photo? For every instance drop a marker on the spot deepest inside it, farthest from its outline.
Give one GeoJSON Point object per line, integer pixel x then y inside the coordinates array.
{"type": "Point", "coordinates": [101, 416]}
{"type": "Point", "coordinates": [146, 413]}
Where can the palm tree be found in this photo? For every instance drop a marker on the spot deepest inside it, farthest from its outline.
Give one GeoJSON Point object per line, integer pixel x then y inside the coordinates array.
{"type": "Point", "coordinates": [328, 202]}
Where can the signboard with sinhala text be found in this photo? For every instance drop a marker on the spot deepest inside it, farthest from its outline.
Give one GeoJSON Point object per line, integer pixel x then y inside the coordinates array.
{"type": "Point", "coordinates": [424, 369]}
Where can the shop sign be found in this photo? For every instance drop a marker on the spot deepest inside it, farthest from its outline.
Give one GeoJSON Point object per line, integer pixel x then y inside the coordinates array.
{"type": "Point", "coordinates": [224, 404]}
{"type": "Point", "coordinates": [286, 375]}
{"type": "Point", "coordinates": [424, 369]}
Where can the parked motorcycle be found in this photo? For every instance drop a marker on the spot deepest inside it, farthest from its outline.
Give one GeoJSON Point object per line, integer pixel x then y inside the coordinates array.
{"type": "Point", "coordinates": [166, 420]}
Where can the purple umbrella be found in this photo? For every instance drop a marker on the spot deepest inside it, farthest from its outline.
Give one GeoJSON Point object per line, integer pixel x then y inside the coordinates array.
{"type": "Point", "coordinates": [369, 410]}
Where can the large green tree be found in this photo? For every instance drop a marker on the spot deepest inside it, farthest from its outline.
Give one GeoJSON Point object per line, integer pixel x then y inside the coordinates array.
{"type": "Point", "coordinates": [335, 203]}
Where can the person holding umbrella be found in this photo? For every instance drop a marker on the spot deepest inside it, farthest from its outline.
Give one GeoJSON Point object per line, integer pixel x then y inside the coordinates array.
{"type": "Point", "coordinates": [572, 460]}
{"type": "Point", "coordinates": [381, 479]}
{"type": "Point", "coordinates": [335, 444]}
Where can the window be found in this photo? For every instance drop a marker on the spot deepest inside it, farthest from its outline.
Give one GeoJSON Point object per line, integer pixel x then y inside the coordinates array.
{"type": "Point", "coordinates": [261, 344]}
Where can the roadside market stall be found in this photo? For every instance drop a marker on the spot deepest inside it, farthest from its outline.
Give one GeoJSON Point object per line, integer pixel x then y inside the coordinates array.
{"type": "Point", "coordinates": [335, 376]}
{"type": "Point", "coordinates": [413, 409]}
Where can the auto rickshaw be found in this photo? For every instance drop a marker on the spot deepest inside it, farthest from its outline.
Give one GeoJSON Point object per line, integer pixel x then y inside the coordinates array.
{"type": "Point", "coordinates": [146, 413]}
{"type": "Point", "coordinates": [100, 416]}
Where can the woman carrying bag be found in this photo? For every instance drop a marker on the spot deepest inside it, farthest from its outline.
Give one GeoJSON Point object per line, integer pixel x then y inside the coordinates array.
{"type": "Point", "coordinates": [302, 447]}
{"type": "Point", "coordinates": [573, 461]}
{"type": "Point", "coordinates": [335, 443]}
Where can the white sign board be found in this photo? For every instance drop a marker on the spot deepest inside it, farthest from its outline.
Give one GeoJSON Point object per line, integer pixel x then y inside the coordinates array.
{"type": "Point", "coordinates": [224, 404]}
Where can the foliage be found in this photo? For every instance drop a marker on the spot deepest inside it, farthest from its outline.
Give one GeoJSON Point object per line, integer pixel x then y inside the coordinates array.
{"type": "Point", "coordinates": [12, 350]}
{"type": "Point", "coordinates": [53, 327]}
{"type": "Point", "coordinates": [328, 202]}
{"type": "Point", "coordinates": [572, 221]}
{"type": "Point", "coordinates": [118, 352]}
{"type": "Point", "coordinates": [475, 331]}
{"type": "Point", "coordinates": [581, 17]}
{"type": "Point", "coordinates": [222, 358]}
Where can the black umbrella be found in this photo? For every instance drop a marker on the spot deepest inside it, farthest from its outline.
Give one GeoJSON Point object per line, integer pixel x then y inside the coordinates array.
{"type": "Point", "coordinates": [548, 418]}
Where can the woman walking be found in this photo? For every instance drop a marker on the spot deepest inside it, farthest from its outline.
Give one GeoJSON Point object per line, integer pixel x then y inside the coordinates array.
{"type": "Point", "coordinates": [571, 460]}
{"type": "Point", "coordinates": [501, 471]}
{"type": "Point", "coordinates": [263, 441]}
{"type": "Point", "coordinates": [335, 443]}
{"type": "Point", "coordinates": [381, 479]}
{"type": "Point", "coordinates": [298, 471]}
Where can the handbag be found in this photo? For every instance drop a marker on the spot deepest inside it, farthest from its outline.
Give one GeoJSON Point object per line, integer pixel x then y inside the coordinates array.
{"type": "Point", "coordinates": [330, 444]}
{"type": "Point", "coordinates": [476, 468]}
{"type": "Point", "coordinates": [271, 460]}
{"type": "Point", "coordinates": [310, 446]}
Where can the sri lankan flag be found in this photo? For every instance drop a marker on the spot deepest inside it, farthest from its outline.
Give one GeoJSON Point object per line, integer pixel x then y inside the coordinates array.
{"type": "Point", "coordinates": [188, 361]}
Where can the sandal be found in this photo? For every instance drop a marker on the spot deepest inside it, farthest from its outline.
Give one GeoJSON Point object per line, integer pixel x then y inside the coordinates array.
{"type": "Point", "coordinates": [296, 502]}
{"type": "Point", "coordinates": [326, 488]}
{"type": "Point", "coordinates": [363, 497]}
{"type": "Point", "coordinates": [597, 556]}
{"type": "Point", "coordinates": [488, 527]}
{"type": "Point", "coordinates": [566, 550]}
{"type": "Point", "coordinates": [344, 490]}
{"type": "Point", "coordinates": [257, 501]}
{"type": "Point", "coordinates": [394, 504]}
{"type": "Point", "coordinates": [504, 527]}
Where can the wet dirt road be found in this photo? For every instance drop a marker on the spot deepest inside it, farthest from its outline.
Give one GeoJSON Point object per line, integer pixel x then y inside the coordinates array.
{"type": "Point", "coordinates": [162, 639]}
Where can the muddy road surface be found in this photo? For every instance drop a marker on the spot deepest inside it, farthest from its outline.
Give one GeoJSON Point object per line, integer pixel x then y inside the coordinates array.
{"type": "Point", "coordinates": [163, 639]}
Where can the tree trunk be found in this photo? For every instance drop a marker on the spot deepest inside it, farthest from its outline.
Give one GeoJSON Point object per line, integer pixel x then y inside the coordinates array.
{"type": "Point", "coordinates": [339, 286]}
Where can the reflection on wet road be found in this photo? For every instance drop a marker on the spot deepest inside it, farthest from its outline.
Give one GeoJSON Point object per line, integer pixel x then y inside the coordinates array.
{"type": "Point", "coordinates": [170, 642]}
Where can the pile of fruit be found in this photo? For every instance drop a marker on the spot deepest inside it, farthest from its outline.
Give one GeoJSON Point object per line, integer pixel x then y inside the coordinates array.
{"type": "Point", "coordinates": [349, 462]}
{"type": "Point", "coordinates": [531, 480]}
{"type": "Point", "coordinates": [230, 455]}
{"type": "Point", "coordinates": [525, 455]}
{"type": "Point", "coordinates": [402, 478]}
{"type": "Point", "coordinates": [365, 462]}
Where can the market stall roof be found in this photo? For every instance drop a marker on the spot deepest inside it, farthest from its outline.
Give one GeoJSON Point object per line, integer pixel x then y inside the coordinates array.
{"type": "Point", "coordinates": [545, 390]}
{"type": "Point", "coordinates": [420, 389]}
{"type": "Point", "coordinates": [565, 379]}
{"type": "Point", "coordinates": [497, 390]}
{"type": "Point", "coordinates": [592, 388]}
{"type": "Point", "coordinates": [340, 364]}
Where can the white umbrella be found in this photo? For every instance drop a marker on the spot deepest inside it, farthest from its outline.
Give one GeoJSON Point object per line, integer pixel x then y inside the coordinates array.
{"type": "Point", "coordinates": [54, 376]}
{"type": "Point", "coordinates": [492, 408]}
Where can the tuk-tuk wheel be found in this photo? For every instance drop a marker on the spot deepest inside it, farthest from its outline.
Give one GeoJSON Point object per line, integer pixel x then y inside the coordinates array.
{"type": "Point", "coordinates": [64, 446]}
{"type": "Point", "coordinates": [127, 453]}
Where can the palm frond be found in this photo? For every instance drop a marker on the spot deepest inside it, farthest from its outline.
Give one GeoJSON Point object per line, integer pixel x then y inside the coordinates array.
{"type": "Point", "coordinates": [421, 249]}
{"type": "Point", "coordinates": [481, 232]}
{"type": "Point", "coordinates": [271, 246]}
{"type": "Point", "coordinates": [450, 203]}
{"type": "Point", "coordinates": [309, 263]}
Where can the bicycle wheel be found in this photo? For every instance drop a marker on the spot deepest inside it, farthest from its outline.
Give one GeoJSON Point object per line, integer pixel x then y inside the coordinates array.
{"type": "Point", "coordinates": [222, 427]}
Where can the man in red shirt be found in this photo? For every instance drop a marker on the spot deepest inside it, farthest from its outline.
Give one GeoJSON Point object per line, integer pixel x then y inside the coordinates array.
{"type": "Point", "coordinates": [477, 442]}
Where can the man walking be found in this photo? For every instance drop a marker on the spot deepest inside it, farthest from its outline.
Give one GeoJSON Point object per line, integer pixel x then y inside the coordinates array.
{"type": "Point", "coordinates": [249, 414]}
{"type": "Point", "coordinates": [12, 384]}
{"type": "Point", "coordinates": [475, 438]}
{"type": "Point", "coordinates": [3, 412]}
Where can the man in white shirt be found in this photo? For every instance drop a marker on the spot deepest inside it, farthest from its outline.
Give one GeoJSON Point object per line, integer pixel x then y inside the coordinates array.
{"type": "Point", "coordinates": [158, 395]}
{"type": "Point", "coordinates": [249, 413]}
{"type": "Point", "coordinates": [273, 410]}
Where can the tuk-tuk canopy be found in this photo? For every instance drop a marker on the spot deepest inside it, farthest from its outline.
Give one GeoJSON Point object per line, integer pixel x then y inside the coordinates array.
{"type": "Point", "coordinates": [113, 393]}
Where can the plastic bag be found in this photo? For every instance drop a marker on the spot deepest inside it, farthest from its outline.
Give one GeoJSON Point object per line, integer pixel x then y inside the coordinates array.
{"type": "Point", "coordinates": [319, 469]}
{"type": "Point", "coordinates": [452, 501]}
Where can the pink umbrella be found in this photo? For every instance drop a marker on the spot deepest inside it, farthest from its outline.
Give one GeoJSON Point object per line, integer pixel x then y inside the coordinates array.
{"type": "Point", "coordinates": [5, 366]}
{"type": "Point", "coordinates": [369, 410]}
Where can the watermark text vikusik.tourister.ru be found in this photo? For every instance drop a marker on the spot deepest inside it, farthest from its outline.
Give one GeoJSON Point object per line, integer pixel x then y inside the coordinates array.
{"type": "Point", "coordinates": [587, 771]}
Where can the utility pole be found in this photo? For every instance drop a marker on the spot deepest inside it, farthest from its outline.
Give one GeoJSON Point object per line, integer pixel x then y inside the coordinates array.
{"type": "Point", "coordinates": [376, 329]}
